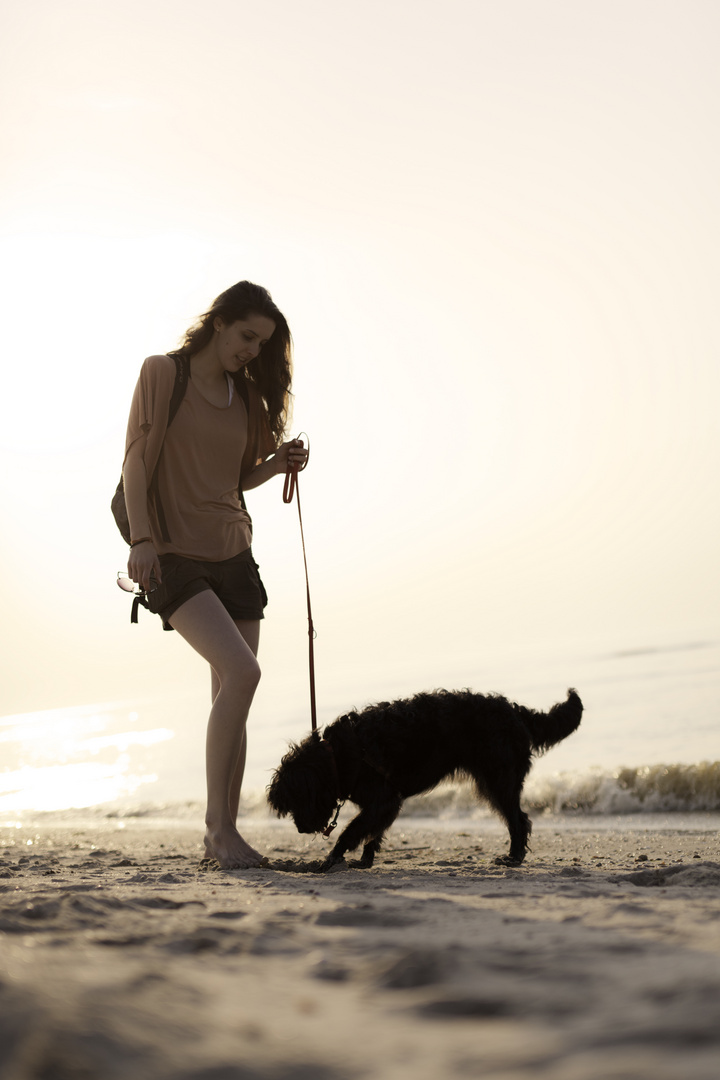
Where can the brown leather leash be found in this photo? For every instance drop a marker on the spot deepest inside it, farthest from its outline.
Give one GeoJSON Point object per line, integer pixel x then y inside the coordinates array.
{"type": "Point", "coordinates": [290, 489]}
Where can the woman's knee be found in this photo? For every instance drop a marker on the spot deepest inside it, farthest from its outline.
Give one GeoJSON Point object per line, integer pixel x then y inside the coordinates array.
{"type": "Point", "coordinates": [255, 673]}
{"type": "Point", "coordinates": [242, 675]}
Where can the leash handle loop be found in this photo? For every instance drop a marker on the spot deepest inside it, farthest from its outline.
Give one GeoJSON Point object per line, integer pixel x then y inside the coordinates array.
{"type": "Point", "coordinates": [291, 475]}
{"type": "Point", "coordinates": [291, 488]}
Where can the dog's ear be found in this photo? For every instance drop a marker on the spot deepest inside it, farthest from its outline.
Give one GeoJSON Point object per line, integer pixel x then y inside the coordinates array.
{"type": "Point", "coordinates": [305, 784]}
{"type": "Point", "coordinates": [273, 791]}
{"type": "Point", "coordinates": [281, 791]}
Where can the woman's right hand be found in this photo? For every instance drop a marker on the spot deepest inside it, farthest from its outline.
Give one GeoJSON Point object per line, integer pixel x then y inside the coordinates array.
{"type": "Point", "coordinates": [144, 565]}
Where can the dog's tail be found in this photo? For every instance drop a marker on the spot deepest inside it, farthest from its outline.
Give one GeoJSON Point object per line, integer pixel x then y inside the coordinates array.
{"type": "Point", "coordinates": [547, 729]}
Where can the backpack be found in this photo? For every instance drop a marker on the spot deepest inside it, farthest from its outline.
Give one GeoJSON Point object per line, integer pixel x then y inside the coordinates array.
{"type": "Point", "coordinates": [182, 374]}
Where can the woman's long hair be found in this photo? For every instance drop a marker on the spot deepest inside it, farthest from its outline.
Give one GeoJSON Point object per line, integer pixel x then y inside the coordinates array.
{"type": "Point", "coordinates": [271, 370]}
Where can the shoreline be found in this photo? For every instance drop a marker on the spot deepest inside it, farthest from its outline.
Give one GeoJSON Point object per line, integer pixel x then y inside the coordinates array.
{"type": "Point", "coordinates": [258, 816]}
{"type": "Point", "coordinates": [597, 958]}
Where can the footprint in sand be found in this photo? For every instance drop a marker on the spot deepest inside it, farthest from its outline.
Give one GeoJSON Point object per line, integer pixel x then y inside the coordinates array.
{"type": "Point", "coordinates": [466, 1008]}
{"type": "Point", "coordinates": [700, 874]}
{"type": "Point", "coordinates": [417, 967]}
{"type": "Point", "coordinates": [364, 915]}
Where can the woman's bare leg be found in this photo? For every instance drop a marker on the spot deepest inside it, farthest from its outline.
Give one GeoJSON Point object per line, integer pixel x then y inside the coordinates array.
{"type": "Point", "coordinates": [205, 624]}
{"type": "Point", "coordinates": [250, 630]}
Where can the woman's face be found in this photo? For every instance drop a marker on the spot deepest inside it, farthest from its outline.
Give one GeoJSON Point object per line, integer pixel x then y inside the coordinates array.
{"type": "Point", "coordinates": [240, 342]}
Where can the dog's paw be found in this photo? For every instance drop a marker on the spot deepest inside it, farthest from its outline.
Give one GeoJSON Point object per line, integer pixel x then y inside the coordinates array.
{"type": "Point", "coordinates": [507, 860]}
{"type": "Point", "coordinates": [360, 864]}
{"type": "Point", "coordinates": [331, 866]}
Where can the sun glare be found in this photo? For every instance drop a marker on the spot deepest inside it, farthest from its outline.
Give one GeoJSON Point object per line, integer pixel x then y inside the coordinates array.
{"type": "Point", "coordinates": [63, 758]}
{"type": "Point", "coordinates": [64, 787]}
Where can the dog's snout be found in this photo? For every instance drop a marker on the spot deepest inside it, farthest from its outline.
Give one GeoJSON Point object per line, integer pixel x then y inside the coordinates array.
{"type": "Point", "coordinates": [308, 826]}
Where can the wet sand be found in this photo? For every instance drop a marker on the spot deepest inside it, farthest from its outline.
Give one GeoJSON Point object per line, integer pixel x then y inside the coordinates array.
{"type": "Point", "coordinates": [124, 956]}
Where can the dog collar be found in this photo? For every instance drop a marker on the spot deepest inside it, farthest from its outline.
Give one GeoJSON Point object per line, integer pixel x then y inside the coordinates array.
{"type": "Point", "coordinates": [333, 824]}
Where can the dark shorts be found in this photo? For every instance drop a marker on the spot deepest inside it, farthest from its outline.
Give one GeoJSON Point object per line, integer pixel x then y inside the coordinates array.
{"type": "Point", "coordinates": [236, 582]}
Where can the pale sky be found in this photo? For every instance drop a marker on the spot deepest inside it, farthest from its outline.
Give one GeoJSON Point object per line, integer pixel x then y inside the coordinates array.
{"type": "Point", "coordinates": [495, 232]}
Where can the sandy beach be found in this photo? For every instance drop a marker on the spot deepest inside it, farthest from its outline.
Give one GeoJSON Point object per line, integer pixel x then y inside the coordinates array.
{"type": "Point", "coordinates": [124, 956]}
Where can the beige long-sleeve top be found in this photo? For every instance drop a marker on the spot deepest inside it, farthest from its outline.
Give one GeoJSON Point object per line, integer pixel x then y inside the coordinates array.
{"type": "Point", "coordinates": [194, 466]}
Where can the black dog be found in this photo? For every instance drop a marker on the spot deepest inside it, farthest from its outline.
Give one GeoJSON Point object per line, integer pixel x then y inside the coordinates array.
{"type": "Point", "coordinates": [380, 756]}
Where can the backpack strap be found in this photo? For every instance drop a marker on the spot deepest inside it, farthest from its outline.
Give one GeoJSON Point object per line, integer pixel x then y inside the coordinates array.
{"type": "Point", "coordinates": [182, 375]}
{"type": "Point", "coordinates": [241, 387]}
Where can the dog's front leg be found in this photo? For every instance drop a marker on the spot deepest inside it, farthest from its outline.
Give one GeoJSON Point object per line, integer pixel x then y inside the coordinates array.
{"type": "Point", "coordinates": [369, 825]}
{"type": "Point", "coordinates": [348, 840]}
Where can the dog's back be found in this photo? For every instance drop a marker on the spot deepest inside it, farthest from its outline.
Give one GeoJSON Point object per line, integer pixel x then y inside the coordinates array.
{"type": "Point", "coordinates": [453, 719]}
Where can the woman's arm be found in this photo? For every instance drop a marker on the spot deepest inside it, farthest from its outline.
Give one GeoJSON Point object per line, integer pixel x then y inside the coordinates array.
{"type": "Point", "coordinates": [290, 453]}
{"type": "Point", "coordinates": [143, 559]}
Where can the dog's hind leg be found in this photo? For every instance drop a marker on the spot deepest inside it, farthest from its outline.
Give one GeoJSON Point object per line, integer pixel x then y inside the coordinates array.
{"type": "Point", "coordinates": [520, 826]}
{"type": "Point", "coordinates": [370, 825]}
{"type": "Point", "coordinates": [506, 802]}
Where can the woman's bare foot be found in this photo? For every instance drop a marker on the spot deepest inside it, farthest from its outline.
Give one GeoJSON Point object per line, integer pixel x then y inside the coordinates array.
{"type": "Point", "coordinates": [229, 849]}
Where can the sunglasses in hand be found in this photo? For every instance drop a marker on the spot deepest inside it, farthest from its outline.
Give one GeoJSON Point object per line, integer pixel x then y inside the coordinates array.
{"type": "Point", "coordinates": [129, 586]}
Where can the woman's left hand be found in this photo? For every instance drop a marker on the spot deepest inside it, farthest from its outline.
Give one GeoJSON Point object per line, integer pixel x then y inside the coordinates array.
{"type": "Point", "coordinates": [292, 454]}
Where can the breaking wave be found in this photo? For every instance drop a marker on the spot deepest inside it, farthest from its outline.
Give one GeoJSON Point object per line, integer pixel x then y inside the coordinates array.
{"type": "Point", "coordinates": [647, 789]}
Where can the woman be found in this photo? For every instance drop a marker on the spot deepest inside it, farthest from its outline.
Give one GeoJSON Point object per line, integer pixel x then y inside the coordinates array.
{"type": "Point", "coordinates": [190, 532]}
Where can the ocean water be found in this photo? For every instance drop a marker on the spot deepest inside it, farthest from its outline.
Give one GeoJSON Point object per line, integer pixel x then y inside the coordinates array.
{"type": "Point", "coordinates": [649, 741]}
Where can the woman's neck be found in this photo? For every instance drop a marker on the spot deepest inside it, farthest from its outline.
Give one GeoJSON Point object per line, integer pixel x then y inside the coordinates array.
{"type": "Point", "coordinates": [206, 368]}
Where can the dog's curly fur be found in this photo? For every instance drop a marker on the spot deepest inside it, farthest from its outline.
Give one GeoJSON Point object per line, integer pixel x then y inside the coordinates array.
{"type": "Point", "coordinates": [382, 755]}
